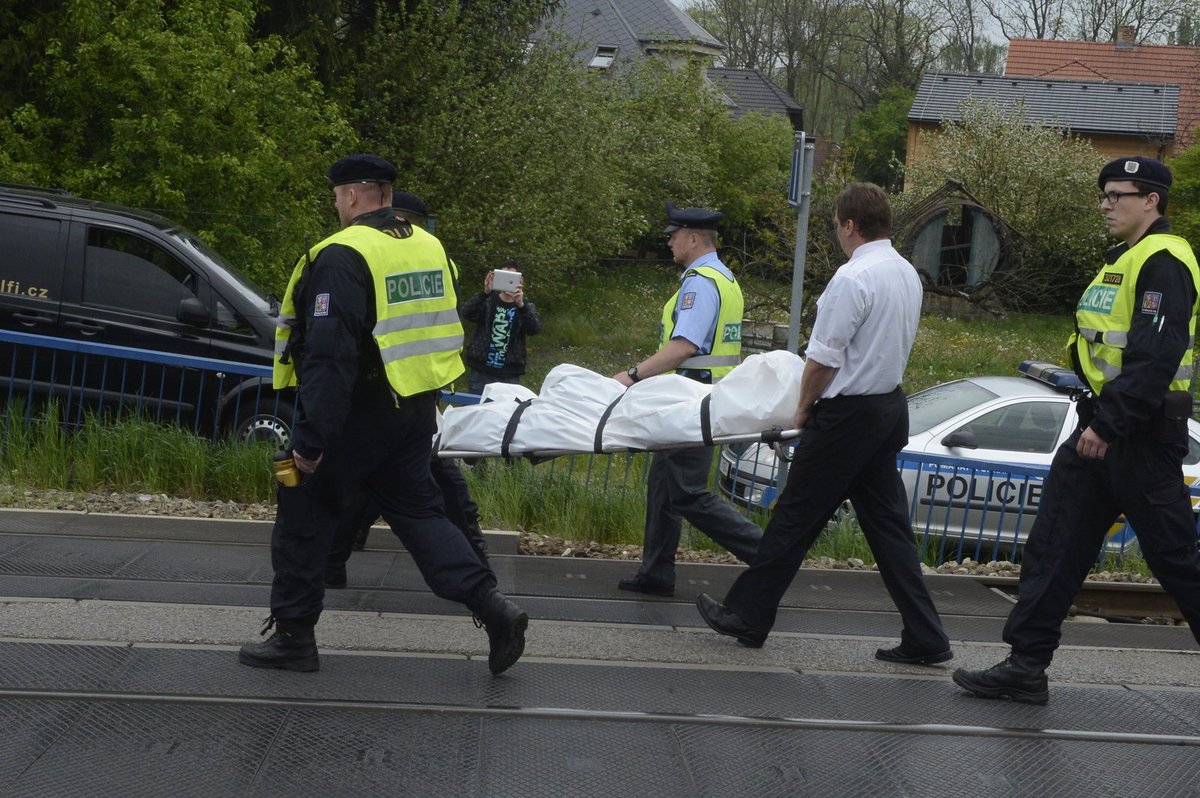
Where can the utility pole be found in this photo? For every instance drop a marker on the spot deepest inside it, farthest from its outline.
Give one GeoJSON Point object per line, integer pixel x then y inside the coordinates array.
{"type": "Point", "coordinates": [799, 197]}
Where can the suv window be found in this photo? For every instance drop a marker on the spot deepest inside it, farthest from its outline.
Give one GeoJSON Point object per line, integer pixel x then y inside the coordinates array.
{"type": "Point", "coordinates": [32, 263]}
{"type": "Point", "coordinates": [129, 273]}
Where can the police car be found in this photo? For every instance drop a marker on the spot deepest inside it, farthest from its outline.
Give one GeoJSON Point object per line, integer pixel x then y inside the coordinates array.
{"type": "Point", "coordinates": [973, 467]}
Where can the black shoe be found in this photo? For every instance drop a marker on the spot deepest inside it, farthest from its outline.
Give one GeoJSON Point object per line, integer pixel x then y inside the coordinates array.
{"type": "Point", "coordinates": [335, 576]}
{"type": "Point", "coordinates": [505, 623]}
{"type": "Point", "coordinates": [639, 585]}
{"type": "Point", "coordinates": [293, 647]}
{"type": "Point", "coordinates": [1017, 677]}
{"type": "Point", "coordinates": [727, 622]}
{"type": "Point", "coordinates": [908, 656]}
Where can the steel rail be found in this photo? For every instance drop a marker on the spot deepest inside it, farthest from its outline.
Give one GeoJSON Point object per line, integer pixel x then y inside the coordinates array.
{"type": "Point", "coordinates": [613, 716]}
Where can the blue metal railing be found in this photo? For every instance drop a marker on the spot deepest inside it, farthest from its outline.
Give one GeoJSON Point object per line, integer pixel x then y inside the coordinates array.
{"type": "Point", "coordinates": [959, 508]}
{"type": "Point", "coordinates": [207, 395]}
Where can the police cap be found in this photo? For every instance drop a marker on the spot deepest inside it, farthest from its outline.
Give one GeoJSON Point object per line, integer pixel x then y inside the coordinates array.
{"type": "Point", "coordinates": [361, 168]}
{"type": "Point", "coordinates": [1143, 170]}
{"type": "Point", "coordinates": [695, 218]}
{"type": "Point", "coordinates": [407, 201]}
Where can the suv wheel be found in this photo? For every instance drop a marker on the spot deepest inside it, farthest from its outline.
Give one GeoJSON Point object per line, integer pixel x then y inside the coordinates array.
{"type": "Point", "coordinates": [272, 428]}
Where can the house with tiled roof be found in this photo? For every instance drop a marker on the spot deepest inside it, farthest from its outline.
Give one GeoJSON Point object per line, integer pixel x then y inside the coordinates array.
{"type": "Point", "coordinates": [1118, 118]}
{"type": "Point", "coordinates": [609, 32]}
{"type": "Point", "coordinates": [1118, 62]}
{"type": "Point", "coordinates": [747, 91]}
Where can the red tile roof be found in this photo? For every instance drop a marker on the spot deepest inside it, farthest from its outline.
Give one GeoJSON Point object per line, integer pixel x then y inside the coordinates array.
{"type": "Point", "coordinates": [1142, 63]}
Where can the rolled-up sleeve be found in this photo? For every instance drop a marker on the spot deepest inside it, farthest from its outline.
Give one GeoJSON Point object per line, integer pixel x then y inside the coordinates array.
{"type": "Point", "coordinates": [840, 312]}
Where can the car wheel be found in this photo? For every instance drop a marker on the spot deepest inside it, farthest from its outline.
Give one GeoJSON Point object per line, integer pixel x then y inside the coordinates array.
{"type": "Point", "coordinates": [274, 427]}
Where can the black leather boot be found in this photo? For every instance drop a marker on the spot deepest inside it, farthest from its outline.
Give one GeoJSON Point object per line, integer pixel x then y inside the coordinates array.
{"type": "Point", "coordinates": [1018, 677]}
{"type": "Point", "coordinates": [293, 647]}
{"type": "Point", "coordinates": [505, 623]}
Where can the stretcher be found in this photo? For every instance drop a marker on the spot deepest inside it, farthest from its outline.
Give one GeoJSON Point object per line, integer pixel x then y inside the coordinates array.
{"type": "Point", "coordinates": [582, 412]}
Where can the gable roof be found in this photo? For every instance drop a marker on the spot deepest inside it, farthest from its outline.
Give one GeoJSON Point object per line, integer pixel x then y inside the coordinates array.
{"type": "Point", "coordinates": [749, 90]}
{"type": "Point", "coordinates": [1150, 63]}
{"type": "Point", "coordinates": [1083, 106]}
{"type": "Point", "coordinates": [632, 26]}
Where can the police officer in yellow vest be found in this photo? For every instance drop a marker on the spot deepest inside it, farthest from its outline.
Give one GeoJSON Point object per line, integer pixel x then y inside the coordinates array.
{"type": "Point", "coordinates": [701, 338]}
{"type": "Point", "coordinates": [369, 331]}
{"type": "Point", "coordinates": [1135, 328]}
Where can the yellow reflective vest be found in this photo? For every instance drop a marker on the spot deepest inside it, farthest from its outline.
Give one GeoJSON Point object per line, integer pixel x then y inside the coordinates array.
{"type": "Point", "coordinates": [417, 327]}
{"type": "Point", "coordinates": [1106, 309]}
{"type": "Point", "coordinates": [727, 338]}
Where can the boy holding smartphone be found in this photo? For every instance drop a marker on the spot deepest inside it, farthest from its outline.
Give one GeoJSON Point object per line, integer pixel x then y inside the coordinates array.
{"type": "Point", "coordinates": [503, 318]}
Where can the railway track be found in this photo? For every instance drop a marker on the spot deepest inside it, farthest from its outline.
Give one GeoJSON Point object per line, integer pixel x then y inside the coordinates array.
{"type": "Point", "coordinates": [1121, 602]}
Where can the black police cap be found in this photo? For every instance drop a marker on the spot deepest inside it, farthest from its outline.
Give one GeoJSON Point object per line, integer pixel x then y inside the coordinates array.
{"type": "Point", "coordinates": [1139, 168]}
{"type": "Point", "coordinates": [694, 218]}
{"type": "Point", "coordinates": [361, 168]}
{"type": "Point", "coordinates": [407, 201]}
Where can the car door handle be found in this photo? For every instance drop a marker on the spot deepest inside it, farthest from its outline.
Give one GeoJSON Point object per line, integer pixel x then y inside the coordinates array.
{"type": "Point", "coordinates": [33, 318]}
{"type": "Point", "coordinates": [85, 327]}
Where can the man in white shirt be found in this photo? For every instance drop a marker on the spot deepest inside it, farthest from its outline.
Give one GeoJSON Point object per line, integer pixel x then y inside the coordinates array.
{"type": "Point", "coordinates": [855, 420]}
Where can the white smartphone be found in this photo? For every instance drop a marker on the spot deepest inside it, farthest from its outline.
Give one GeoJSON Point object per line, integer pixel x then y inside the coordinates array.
{"type": "Point", "coordinates": [504, 280]}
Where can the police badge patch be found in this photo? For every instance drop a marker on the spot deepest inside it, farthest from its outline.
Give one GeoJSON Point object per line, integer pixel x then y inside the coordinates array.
{"type": "Point", "coordinates": [1151, 300]}
{"type": "Point", "coordinates": [321, 305]}
{"type": "Point", "coordinates": [689, 299]}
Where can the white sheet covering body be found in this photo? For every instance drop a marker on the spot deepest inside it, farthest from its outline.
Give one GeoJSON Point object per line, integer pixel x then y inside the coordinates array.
{"type": "Point", "coordinates": [656, 413]}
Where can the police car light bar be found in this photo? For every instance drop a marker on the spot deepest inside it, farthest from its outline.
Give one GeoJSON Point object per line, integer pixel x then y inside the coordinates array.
{"type": "Point", "coordinates": [1057, 377]}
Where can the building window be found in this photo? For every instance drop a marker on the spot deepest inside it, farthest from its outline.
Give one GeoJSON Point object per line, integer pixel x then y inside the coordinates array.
{"type": "Point", "coordinates": [605, 55]}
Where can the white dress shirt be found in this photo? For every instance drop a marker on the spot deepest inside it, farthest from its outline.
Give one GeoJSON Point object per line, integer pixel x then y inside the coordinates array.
{"type": "Point", "coordinates": [866, 321]}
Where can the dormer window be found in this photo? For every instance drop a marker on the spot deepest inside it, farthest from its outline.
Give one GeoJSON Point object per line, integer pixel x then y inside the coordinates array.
{"type": "Point", "coordinates": [605, 55]}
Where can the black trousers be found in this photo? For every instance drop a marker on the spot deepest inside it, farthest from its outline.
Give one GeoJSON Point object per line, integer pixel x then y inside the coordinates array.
{"type": "Point", "coordinates": [677, 488]}
{"type": "Point", "coordinates": [359, 513]}
{"type": "Point", "coordinates": [847, 451]}
{"type": "Point", "coordinates": [384, 452]}
{"type": "Point", "coordinates": [1140, 477]}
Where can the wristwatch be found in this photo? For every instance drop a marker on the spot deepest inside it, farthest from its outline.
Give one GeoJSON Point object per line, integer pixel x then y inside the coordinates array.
{"type": "Point", "coordinates": [632, 374]}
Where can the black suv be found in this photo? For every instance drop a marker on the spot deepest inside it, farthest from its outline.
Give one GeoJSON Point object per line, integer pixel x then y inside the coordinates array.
{"type": "Point", "coordinates": [106, 308]}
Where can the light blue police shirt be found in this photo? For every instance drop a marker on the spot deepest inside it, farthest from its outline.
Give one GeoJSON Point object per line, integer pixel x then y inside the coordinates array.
{"type": "Point", "coordinates": [699, 303]}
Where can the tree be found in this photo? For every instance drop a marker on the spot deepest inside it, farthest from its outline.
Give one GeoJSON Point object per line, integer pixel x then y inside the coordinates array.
{"type": "Point", "coordinates": [967, 47]}
{"type": "Point", "coordinates": [23, 25]}
{"type": "Point", "coordinates": [1089, 20]}
{"type": "Point", "coordinates": [885, 43]}
{"type": "Point", "coordinates": [879, 137]}
{"type": "Point", "coordinates": [1039, 179]}
{"type": "Point", "coordinates": [542, 160]}
{"type": "Point", "coordinates": [1184, 203]}
{"type": "Point", "coordinates": [1029, 19]}
{"type": "Point", "coordinates": [837, 57]}
{"type": "Point", "coordinates": [1187, 33]}
{"type": "Point", "coordinates": [172, 107]}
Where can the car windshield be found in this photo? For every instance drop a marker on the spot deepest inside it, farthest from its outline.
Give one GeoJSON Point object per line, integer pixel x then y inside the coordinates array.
{"type": "Point", "coordinates": [928, 408]}
{"type": "Point", "coordinates": [239, 281]}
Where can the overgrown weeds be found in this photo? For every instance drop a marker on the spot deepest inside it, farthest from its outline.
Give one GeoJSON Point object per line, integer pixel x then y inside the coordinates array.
{"type": "Point", "coordinates": [129, 455]}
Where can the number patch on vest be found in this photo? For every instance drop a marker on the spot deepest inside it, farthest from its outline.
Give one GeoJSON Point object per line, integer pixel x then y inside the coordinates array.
{"type": "Point", "coordinates": [1098, 299]}
{"type": "Point", "coordinates": [732, 333]}
{"type": "Point", "coordinates": [413, 286]}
